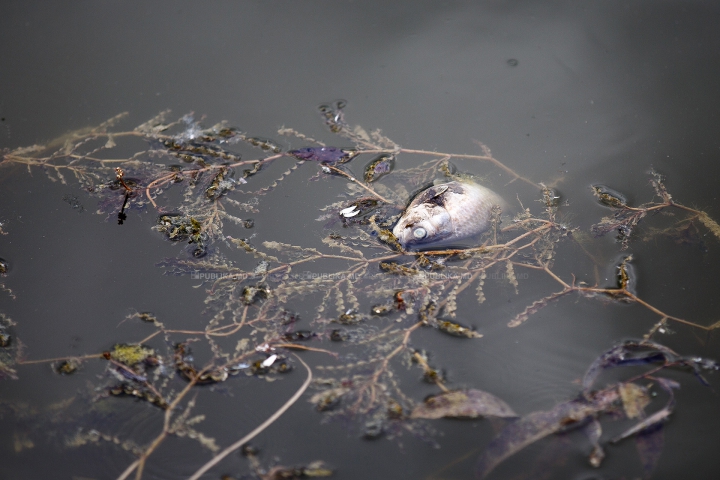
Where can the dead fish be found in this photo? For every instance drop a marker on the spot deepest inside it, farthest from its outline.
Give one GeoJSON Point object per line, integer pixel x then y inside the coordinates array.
{"type": "Point", "coordinates": [446, 212]}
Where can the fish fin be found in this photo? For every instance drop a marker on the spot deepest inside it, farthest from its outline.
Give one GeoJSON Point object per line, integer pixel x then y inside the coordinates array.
{"type": "Point", "coordinates": [432, 195]}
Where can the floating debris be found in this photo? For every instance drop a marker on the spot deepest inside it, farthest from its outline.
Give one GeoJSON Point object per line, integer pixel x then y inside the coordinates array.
{"type": "Point", "coordinates": [397, 269]}
{"type": "Point", "coordinates": [550, 197]}
{"type": "Point", "coordinates": [237, 368]}
{"type": "Point", "coordinates": [400, 300]}
{"type": "Point", "coordinates": [269, 361]}
{"type": "Point", "coordinates": [350, 317]}
{"type": "Point", "coordinates": [67, 367]}
{"type": "Point", "coordinates": [329, 155]}
{"type": "Point", "coordinates": [298, 335]}
{"type": "Point", "coordinates": [125, 389]}
{"type": "Point", "coordinates": [328, 399]}
{"type": "Point", "coordinates": [609, 197]}
{"type": "Point", "coordinates": [131, 354]}
{"type": "Point", "coordinates": [74, 202]}
{"type": "Point", "coordinates": [381, 310]}
{"type": "Point", "coordinates": [463, 404]}
{"type": "Point", "coordinates": [222, 183]}
{"type": "Point", "coordinates": [287, 317]}
{"type": "Point", "coordinates": [147, 317]}
{"type": "Point", "coordinates": [247, 324]}
{"type": "Point", "coordinates": [379, 167]}
{"type": "Point", "coordinates": [350, 211]}
{"type": "Point", "coordinates": [253, 293]}
{"type": "Point", "coordinates": [374, 428]}
{"type": "Point", "coordinates": [394, 409]}
{"type": "Point", "coordinates": [178, 227]}
{"type": "Point", "coordinates": [183, 364]}
{"type": "Point", "coordinates": [360, 207]}
{"type": "Point", "coordinates": [338, 335]}
{"type": "Point", "coordinates": [625, 273]}
{"type": "Point", "coordinates": [312, 470]}
{"type": "Point", "coordinates": [456, 329]}
{"type": "Point", "coordinates": [274, 363]}
{"type": "Point", "coordinates": [333, 115]}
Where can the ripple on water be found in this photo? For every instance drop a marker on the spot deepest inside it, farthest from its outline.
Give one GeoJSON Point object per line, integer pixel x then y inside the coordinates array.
{"type": "Point", "coordinates": [529, 372]}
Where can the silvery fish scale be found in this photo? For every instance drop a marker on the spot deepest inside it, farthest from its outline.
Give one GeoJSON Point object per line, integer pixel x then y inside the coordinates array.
{"type": "Point", "coordinates": [446, 212]}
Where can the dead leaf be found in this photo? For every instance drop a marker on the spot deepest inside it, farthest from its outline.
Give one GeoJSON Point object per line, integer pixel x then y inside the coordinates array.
{"type": "Point", "coordinates": [463, 404]}
{"type": "Point", "coordinates": [635, 398]}
{"type": "Point", "coordinates": [537, 425]}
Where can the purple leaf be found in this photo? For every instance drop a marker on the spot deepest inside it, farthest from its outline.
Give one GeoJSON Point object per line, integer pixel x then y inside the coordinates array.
{"type": "Point", "coordinates": [538, 425]}
{"type": "Point", "coordinates": [651, 421]}
{"type": "Point", "coordinates": [649, 446]}
{"type": "Point", "coordinates": [627, 354]}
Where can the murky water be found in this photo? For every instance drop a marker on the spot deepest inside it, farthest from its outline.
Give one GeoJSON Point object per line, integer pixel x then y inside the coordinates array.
{"type": "Point", "coordinates": [564, 94]}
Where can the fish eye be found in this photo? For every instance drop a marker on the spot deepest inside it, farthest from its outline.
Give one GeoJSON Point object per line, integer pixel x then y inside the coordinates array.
{"type": "Point", "coordinates": [419, 233]}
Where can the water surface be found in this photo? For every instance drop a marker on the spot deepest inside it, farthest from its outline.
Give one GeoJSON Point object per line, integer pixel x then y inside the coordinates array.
{"type": "Point", "coordinates": [563, 94]}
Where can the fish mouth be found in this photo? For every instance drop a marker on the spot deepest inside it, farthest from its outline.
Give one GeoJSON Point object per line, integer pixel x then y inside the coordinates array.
{"type": "Point", "coordinates": [404, 238]}
{"type": "Point", "coordinates": [407, 239]}
{"type": "Point", "coordinates": [404, 235]}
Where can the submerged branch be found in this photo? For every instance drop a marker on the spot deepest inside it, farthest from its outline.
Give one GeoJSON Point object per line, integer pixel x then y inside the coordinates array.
{"type": "Point", "coordinates": [260, 428]}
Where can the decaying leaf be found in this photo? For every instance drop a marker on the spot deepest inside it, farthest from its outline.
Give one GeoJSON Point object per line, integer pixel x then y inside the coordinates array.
{"type": "Point", "coordinates": [593, 430]}
{"type": "Point", "coordinates": [463, 404]}
{"type": "Point", "coordinates": [635, 398]}
{"type": "Point", "coordinates": [609, 197]}
{"type": "Point", "coordinates": [629, 353]}
{"type": "Point", "coordinates": [657, 418]}
{"type": "Point", "coordinates": [131, 354]}
{"type": "Point", "coordinates": [649, 445]}
{"type": "Point", "coordinates": [328, 399]}
{"type": "Point", "coordinates": [534, 426]}
{"type": "Point", "coordinates": [651, 421]}
{"type": "Point", "coordinates": [456, 330]}
{"type": "Point", "coordinates": [588, 408]}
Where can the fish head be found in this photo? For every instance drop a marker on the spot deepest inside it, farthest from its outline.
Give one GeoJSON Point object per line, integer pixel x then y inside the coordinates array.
{"type": "Point", "coordinates": [423, 224]}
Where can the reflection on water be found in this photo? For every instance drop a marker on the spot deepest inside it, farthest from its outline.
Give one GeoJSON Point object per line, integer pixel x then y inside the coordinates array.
{"type": "Point", "coordinates": [571, 97]}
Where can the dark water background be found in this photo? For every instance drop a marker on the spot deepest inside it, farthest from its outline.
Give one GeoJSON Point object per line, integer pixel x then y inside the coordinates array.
{"type": "Point", "coordinates": [600, 92]}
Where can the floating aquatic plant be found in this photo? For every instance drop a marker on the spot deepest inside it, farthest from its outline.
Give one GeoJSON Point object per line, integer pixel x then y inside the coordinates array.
{"type": "Point", "coordinates": [366, 311]}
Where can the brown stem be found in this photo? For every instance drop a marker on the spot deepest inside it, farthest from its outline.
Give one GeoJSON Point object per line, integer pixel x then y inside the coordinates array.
{"type": "Point", "coordinates": [357, 182]}
{"type": "Point", "coordinates": [485, 158]}
{"type": "Point", "coordinates": [217, 458]}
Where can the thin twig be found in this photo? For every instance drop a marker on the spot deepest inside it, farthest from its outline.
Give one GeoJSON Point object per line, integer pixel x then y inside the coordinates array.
{"type": "Point", "coordinates": [217, 458]}
{"type": "Point", "coordinates": [358, 182]}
